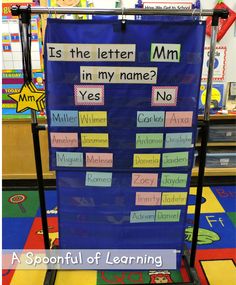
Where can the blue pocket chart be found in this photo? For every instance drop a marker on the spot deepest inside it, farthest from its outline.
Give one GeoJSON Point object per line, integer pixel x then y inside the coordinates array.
{"type": "Point", "coordinates": [122, 117]}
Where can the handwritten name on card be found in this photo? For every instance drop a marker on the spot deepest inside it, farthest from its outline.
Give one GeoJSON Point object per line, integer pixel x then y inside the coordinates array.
{"type": "Point", "coordinates": [89, 95]}
{"type": "Point", "coordinates": [164, 95]}
{"type": "Point", "coordinates": [150, 119]}
{"type": "Point", "coordinates": [167, 215]}
{"type": "Point", "coordinates": [174, 180]}
{"type": "Point", "coordinates": [175, 159]}
{"type": "Point", "coordinates": [149, 140]}
{"type": "Point", "coordinates": [144, 160]}
{"type": "Point", "coordinates": [178, 140]}
{"type": "Point", "coordinates": [174, 198]}
{"type": "Point", "coordinates": [179, 119]}
{"type": "Point", "coordinates": [61, 118]}
{"type": "Point", "coordinates": [69, 159]}
{"type": "Point", "coordinates": [99, 159]}
{"type": "Point", "coordinates": [92, 119]}
{"type": "Point", "coordinates": [94, 140]}
{"type": "Point", "coordinates": [98, 179]}
{"type": "Point", "coordinates": [144, 180]}
{"type": "Point", "coordinates": [64, 139]}
{"type": "Point", "coordinates": [142, 216]}
{"type": "Point", "coordinates": [148, 198]}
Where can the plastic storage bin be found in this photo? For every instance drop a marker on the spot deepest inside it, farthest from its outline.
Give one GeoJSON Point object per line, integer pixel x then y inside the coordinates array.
{"type": "Point", "coordinates": [225, 158]}
{"type": "Point", "coordinates": [222, 133]}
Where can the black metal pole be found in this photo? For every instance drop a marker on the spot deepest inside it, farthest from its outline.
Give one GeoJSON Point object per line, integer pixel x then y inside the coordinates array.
{"type": "Point", "coordinates": [39, 171]}
{"type": "Point", "coordinates": [201, 172]}
{"type": "Point", "coordinates": [205, 132]}
{"type": "Point", "coordinates": [24, 21]}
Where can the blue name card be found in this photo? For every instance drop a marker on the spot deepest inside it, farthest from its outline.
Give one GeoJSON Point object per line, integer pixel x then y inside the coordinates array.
{"type": "Point", "coordinates": [65, 118]}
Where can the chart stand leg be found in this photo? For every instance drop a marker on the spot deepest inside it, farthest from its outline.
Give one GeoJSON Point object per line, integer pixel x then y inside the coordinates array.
{"type": "Point", "coordinates": [50, 277]}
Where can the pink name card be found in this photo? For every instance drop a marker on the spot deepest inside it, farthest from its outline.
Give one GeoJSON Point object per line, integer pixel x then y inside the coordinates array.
{"type": "Point", "coordinates": [99, 159]}
{"type": "Point", "coordinates": [179, 119]}
{"type": "Point", "coordinates": [64, 139]}
{"type": "Point", "coordinates": [148, 198]}
{"type": "Point", "coordinates": [144, 180]}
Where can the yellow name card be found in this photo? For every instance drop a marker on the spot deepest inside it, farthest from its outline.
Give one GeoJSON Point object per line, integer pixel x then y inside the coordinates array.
{"type": "Point", "coordinates": [94, 140]}
{"type": "Point", "coordinates": [174, 198]}
{"type": "Point", "coordinates": [93, 119]}
{"type": "Point", "coordinates": [146, 160]}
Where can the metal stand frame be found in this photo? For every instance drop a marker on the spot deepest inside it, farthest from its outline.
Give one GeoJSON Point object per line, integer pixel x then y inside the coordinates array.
{"type": "Point", "coordinates": [24, 14]}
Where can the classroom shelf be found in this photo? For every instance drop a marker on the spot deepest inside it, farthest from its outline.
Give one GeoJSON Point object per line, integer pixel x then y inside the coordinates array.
{"type": "Point", "coordinates": [216, 171]}
{"type": "Point", "coordinates": [219, 117]}
{"type": "Point", "coordinates": [218, 144]}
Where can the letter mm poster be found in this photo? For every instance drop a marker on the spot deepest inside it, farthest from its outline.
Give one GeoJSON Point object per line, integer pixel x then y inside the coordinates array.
{"type": "Point", "coordinates": [122, 115]}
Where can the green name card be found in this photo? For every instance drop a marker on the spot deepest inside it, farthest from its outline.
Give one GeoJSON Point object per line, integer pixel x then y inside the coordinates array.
{"type": "Point", "coordinates": [69, 159]}
{"type": "Point", "coordinates": [178, 140]}
{"type": "Point", "coordinates": [150, 119]}
{"type": "Point", "coordinates": [142, 216]}
{"type": "Point", "coordinates": [174, 180]}
{"type": "Point", "coordinates": [149, 140]}
{"type": "Point", "coordinates": [100, 179]}
{"type": "Point", "coordinates": [175, 159]}
{"type": "Point", "coordinates": [167, 215]}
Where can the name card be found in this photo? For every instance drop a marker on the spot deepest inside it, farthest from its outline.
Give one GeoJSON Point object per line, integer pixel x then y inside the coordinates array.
{"type": "Point", "coordinates": [142, 216]}
{"type": "Point", "coordinates": [64, 118]}
{"type": "Point", "coordinates": [178, 140]}
{"type": "Point", "coordinates": [93, 119]}
{"type": "Point", "coordinates": [98, 179]}
{"type": "Point", "coordinates": [150, 119]}
{"type": "Point", "coordinates": [148, 198]}
{"type": "Point", "coordinates": [149, 140]}
{"type": "Point", "coordinates": [69, 159]}
{"type": "Point", "coordinates": [89, 95]}
{"type": "Point", "coordinates": [94, 140]}
{"type": "Point", "coordinates": [99, 159]}
{"type": "Point", "coordinates": [175, 159]}
{"type": "Point", "coordinates": [167, 215]}
{"type": "Point", "coordinates": [144, 180]}
{"type": "Point", "coordinates": [174, 180]}
{"type": "Point", "coordinates": [164, 95]}
{"type": "Point", "coordinates": [174, 198]}
{"type": "Point", "coordinates": [179, 119]}
{"type": "Point", "coordinates": [64, 139]}
{"type": "Point", "coordinates": [144, 160]}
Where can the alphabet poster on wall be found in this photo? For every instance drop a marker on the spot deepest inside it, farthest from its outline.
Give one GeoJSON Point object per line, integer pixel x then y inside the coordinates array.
{"type": "Point", "coordinates": [12, 72]}
{"type": "Point", "coordinates": [122, 110]}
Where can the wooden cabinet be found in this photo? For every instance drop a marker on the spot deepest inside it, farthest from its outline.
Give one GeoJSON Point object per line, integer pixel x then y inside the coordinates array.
{"type": "Point", "coordinates": [18, 153]}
